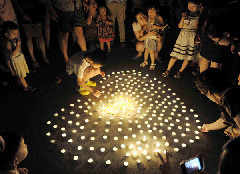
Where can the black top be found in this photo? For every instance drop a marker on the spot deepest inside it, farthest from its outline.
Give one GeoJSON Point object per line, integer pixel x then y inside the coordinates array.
{"type": "Point", "coordinates": [230, 105]}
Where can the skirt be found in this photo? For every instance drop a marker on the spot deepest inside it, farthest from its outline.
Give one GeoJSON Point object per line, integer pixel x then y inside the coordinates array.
{"type": "Point", "coordinates": [19, 65]}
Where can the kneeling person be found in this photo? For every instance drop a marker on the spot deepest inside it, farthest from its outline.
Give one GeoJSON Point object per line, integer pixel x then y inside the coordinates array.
{"type": "Point", "coordinates": [87, 66]}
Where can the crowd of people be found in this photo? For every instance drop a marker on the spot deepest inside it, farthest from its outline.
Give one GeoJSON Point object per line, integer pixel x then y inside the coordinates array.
{"type": "Point", "coordinates": [208, 41]}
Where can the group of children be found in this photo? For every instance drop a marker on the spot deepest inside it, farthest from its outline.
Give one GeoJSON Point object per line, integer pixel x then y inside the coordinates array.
{"type": "Point", "coordinates": [185, 48]}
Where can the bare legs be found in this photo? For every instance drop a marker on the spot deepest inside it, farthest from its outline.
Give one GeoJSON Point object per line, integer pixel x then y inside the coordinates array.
{"type": "Point", "coordinates": [23, 82]}
{"type": "Point", "coordinates": [63, 41]}
{"type": "Point", "coordinates": [140, 48]}
{"type": "Point", "coordinates": [108, 45]}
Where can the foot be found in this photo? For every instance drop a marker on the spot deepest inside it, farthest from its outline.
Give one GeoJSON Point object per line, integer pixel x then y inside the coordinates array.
{"type": "Point", "coordinates": [178, 75]}
{"type": "Point", "coordinates": [109, 51]}
{"type": "Point", "coordinates": [159, 60]}
{"type": "Point", "coordinates": [47, 61]}
{"type": "Point", "coordinates": [152, 66]}
{"type": "Point", "coordinates": [35, 65]}
{"type": "Point", "coordinates": [91, 83]}
{"type": "Point", "coordinates": [137, 56]}
{"type": "Point", "coordinates": [83, 91]}
{"type": "Point", "coordinates": [123, 45]}
{"type": "Point", "coordinates": [166, 73]}
{"type": "Point", "coordinates": [30, 89]}
{"type": "Point", "coordinates": [143, 64]}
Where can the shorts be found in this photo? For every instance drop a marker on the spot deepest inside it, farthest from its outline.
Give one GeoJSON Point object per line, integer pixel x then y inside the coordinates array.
{"type": "Point", "coordinates": [67, 20]}
{"type": "Point", "coordinates": [35, 30]}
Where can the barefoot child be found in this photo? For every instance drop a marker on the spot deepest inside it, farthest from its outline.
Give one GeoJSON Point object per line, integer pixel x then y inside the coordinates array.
{"type": "Point", "coordinates": [185, 47]}
{"type": "Point", "coordinates": [12, 54]}
{"type": "Point", "coordinates": [105, 28]}
{"type": "Point", "coordinates": [87, 66]}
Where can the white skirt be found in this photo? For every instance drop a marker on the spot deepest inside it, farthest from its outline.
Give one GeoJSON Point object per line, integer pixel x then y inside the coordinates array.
{"type": "Point", "coordinates": [19, 65]}
{"type": "Point", "coordinates": [185, 46]}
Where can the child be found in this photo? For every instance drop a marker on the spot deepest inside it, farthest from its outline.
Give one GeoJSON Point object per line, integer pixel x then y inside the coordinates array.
{"type": "Point", "coordinates": [105, 28]}
{"type": "Point", "coordinates": [185, 47]}
{"type": "Point", "coordinates": [153, 44]}
{"type": "Point", "coordinates": [87, 66]}
{"type": "Point", "coordinates": [13, 56]}
{"type": "Point", "coordinates": [15, 152]}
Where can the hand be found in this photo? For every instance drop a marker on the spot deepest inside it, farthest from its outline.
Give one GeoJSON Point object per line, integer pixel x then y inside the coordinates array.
{"type": "Point", "coordinates": [205, 128]}
{"type": "Point", "coordinates": [22, 170]}
{"type": "Point", "coordinates": [165, 167]}
{"type": "Point", "coordinates": [184, 15]}
{"type": "Point", "coordinates": [19, 43]}
{"type": "Point", "coordinates": [152, 33]}
{"type": "Point", "coordinates": [96, 93]}
{"type": "Point", "coordinates": [27, 18]}
{"type": "Point", "coordinates": [53, 15]}
{"type": "Point", "coordinates": [233, 48]}
{"type": "Point", "coordinates": [102, 74]}
{"type": "Point", "coordinates": [2, 144]}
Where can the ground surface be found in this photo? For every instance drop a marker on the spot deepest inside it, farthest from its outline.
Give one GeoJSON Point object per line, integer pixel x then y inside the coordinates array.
{"type": "Point", "coordinates": [29, 114]}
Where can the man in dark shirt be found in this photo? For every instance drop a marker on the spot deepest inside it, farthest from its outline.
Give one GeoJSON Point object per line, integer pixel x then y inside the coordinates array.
{"type": "Point", "coordinates": [216, 87]}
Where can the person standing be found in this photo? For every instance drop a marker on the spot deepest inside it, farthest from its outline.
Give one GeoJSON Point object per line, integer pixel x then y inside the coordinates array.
{"type": "Point", "coordinates": [69, 15]}
{"type": "Point", "coordinates": [117, 9]}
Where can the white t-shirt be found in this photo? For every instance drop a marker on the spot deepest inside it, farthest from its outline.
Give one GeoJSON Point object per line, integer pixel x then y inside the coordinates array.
{"type": "Point", "coordinates": [136, 26]}
{"type": "Point", "coordinates": [77, 65]}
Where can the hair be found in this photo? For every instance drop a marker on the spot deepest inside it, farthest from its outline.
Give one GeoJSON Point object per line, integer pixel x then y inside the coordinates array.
{"type": "Point", "coordinates": [7, 26]}
{"type": "Point", "coordinates": [12, 145]}
{"type": "Point", "coordinates": [102, 5]}
{"type": "Point", "coordinates": [153, 4]}
{"type": "Point", "coordinates": [98, 56]}
{"type": "Point", "coordinates": [213, 81]}
{"type": "Point", "coordinates": [229, 164]}
{"type": "Point", "coordinates": [136, 12]}
{"type": "Point", "coordinates": [198, 2]}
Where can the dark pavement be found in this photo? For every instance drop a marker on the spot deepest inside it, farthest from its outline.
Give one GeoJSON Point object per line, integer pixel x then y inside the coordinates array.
{"type": "Point", "coordinates": [29, 114]}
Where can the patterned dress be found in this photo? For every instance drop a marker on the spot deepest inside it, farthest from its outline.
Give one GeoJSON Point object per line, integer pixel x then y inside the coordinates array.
{"type": "Point", "coordinates": [185, 46]}
{"type": "Point", "coordinates": [105, 31]}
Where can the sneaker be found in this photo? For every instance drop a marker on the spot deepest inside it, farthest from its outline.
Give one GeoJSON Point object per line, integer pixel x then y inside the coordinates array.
{"type": "Point", "coordinates": [30, 89]}
{"type": "Point", "coordinates": [83, 91]}
{"type": "Point", "coordinates": [91, 83]}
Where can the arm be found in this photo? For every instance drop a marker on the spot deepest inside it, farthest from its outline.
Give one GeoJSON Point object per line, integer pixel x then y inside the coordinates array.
{"type": "Point", "coordinates": [184, 16]}
{"type": "Point", "coordinates": [162, 25]}
{"type": "Point", "coordinates": [91, 13]}
{"type": "Point", "coordinates": [10, 67]}
{"type": "Point", "coordinates": [142, 38]}
{"type": "Point", "coordinates": [20, 10]}
{"type": "Point", "coordinates": [109, 21]}
{"type": "Point", "coordinates": [18, 47]}
{"type": "Point", "coordinates": [237, 120]}
{"type": "Point", "coordinates": [214, 126]}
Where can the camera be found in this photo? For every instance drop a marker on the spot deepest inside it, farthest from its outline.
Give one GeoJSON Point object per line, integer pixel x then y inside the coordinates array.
{"type": "Point", "coordinates": [192, 165]}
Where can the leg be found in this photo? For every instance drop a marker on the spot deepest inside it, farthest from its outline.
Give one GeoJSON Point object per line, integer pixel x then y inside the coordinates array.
{"type": "Point", "coordinates": [140, 48]}
{"type": "Point", "coordinates": [41, 43]}
{"type": "Point", "coordinates": [204, 64]}
{"type": "Point", "coordinates": [80, 38]}
{"type": "Point", "coordinates": [102, 45]}
{"type": "Point", "coordinates": [146, 53]}
{"type": "Point", "coordinates": [171, 63]}
{"type": "Point", "coordinates": [184, 65]}
{"type": "Point", "coordinates": [152, 56]}
{"type": "Point", "coordinates": [120, 13]}
{"type": "Point", "coordinates": [23, 82]}
{"type": "Point", "coordinates": [109, 45]}
{"type": "Point", "coordinates": [74, 37]}
{"type": "Point", "coordinates": [63, 42]}
{"type": "Point", "coordinates": [46, 27]}
{"type": "Point", "coordinates": [29, 43]}
{"type": "Point", "coordinates": [159, 47]}
{"type": "Point", "coordinates": [112, 8]}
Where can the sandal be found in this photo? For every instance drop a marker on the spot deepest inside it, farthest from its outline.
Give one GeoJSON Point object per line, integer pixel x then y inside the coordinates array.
{"type": "Point", "coordinates": [166, 73]}
{"type": "Point", "coordinates": [178, 75]}
{"type": "Point", "coordinates": [35, 65]}
{"type": "Point", "coordinates": [143, 64]}
{"type": "Point", "coordinates": [152, 66]}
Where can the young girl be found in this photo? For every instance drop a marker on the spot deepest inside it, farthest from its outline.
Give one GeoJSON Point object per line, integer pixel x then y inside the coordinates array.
{"type": "Point", "coordinates": [153, 44]}
{"type": "Point", "coordinates": [185, 47]}
{"type": "Point", "coordinates": [15, 60]}
{"type": "Point", "coordinates": [105, 28]}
